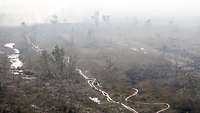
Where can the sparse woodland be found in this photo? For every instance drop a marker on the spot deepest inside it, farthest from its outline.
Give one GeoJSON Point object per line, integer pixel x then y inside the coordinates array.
{"type": "Point", "coordinates": [165, 72]}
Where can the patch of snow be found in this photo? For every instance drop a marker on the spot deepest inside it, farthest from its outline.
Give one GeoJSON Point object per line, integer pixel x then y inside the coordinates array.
{"type": "Point", "coordinates": [13, 56]}
{"type": "Point", "coordinates": [95, 99]}
{"type": "Point", "coordinates": [28, 78]}
{"type": "Point", "coordinates": [16, 51]}
{"type": "Point", "coordinates": [16, 73]}
{"type": "Point", "coordinates": [134, 49]}
{"type": "Point", "coordinates": [34, 106]}
{"type": "Point", "coordinates": [9, 45]}
{"type": "Point", "coordinates": [16, 63]}
{"type": "Point", "coordinates": [68, 59]}
{"type": "Point", "coordinates": [142, 49]}
{"type": "Point", "coordinates": [14, 59]}
{"type": "Point", "coordinates": [20, 71]}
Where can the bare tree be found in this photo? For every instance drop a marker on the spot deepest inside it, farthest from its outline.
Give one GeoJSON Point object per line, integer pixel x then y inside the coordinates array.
{"type": "Point", "coordinates": [58, 57]}
{"type": "Point", "coordinates": [45, 64]}
{"type": "Point", "coordinates": [4, 69]}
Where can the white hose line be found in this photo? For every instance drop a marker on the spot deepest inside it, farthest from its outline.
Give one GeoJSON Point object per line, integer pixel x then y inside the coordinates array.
{"type": "Point", "coordinates": [136, 92]}
{"type": "Point", "coordinates": [91, 82]}
{"type": "Point", "coordinates": [129, 108]}
{"type": "Point", "coordinates": [164, 109]}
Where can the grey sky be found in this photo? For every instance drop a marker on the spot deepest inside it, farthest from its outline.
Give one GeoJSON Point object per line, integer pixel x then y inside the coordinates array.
{"type": "Point", "coordinates": [38, 10]}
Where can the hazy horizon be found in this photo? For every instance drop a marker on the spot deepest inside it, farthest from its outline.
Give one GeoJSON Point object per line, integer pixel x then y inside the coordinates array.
{"type": "Point", "coordinates": [37, 11]}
